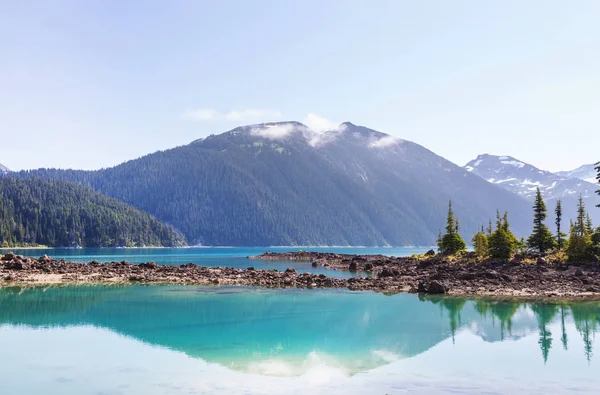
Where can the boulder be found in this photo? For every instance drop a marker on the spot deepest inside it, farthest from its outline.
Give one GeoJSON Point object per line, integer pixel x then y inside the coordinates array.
{"type": "Point", "coordinates": [290, 270]}
{"type": "Point", "coordinates": [149, 265]}
{"type": "Point", "coordinates": [353, 267]}
{"type": "Point", "coordinates": [430, 253]}
{"type": "Point", "coordinates": [432, 287]}
{"type": "Point", "coordinates": [9, 256]}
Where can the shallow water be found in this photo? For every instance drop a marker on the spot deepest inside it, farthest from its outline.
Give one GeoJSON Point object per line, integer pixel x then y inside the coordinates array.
{"type": "Point", "coordinates": [177, 339]}
{"type": "Point", "coordinates": [212, 256]}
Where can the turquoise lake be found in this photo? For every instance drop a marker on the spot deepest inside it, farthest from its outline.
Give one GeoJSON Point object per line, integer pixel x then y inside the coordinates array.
{"type": "Point", "coordinates": [241, 340]}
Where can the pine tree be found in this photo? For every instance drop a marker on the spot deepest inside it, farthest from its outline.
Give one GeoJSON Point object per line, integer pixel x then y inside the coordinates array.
{"type": "Point", "coordinates": [560, 236]}
{"type": "Point", "coordinates": [580, 241]}
{"type": "Point", "coordinates": [541, 239]}
{"type": "Point", "coordinates": [451, 242]}
{"type": "Point", "coordinates": [502, 243]}
{"type": "Point", "coordinates": [588, 224]}
{"type": "Point", "coordinates": [480, 244]}
{"type": "Point", "coordinates": [598, 179]}
{"type": "Point", "coordinates": [490, 229]}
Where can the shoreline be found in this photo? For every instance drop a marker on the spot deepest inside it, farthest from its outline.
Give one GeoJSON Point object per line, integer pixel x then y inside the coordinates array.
{"type": "Point", "coordinates": [427, 275]}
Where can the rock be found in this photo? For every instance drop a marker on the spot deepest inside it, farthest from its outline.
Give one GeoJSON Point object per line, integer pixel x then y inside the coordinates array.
{"type": "Point", "coordinates": [385, 273]}
{"type": "Point", "coordinates": [290, 270]}
{"type": "Point", "coordinates": [9, 256]}
{"type": "Point", "coordinates": [15, 265]}
{"type": "Point", "coordinates": [315, 264]}
{"type": "Point", "coordinates": [45, 258]}
{"type": "Point", "coordinates": [149, 265]}
{"type": "Point", "coordinates": [436, 287]}
{"type": "Point", "coordinates": [353, 267]}
{"type": "Point", "coordinates": [542, 261]}
{"type": "Point", "coordinates": [368, 267]}
{"type": "Point", "coordinates": [188, 265]}
{"type": "Point", "coordinates": [250, 269]}
{"type": "Point", "coordinates": [433, 287]}
{"type": "Point", "coordinates": [430, 253]}
{"type": "Point", "coordinates": [578, 272]}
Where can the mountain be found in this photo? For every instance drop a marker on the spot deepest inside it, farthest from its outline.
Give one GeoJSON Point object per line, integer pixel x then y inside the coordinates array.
{"type": "Point", "coordinates": [586, 173]}
{"type": "Point", "coordinates": [283, 184]}
{"type": "Point", "coordinates": [523, 179]}
{"type": "Point", "coordinates": [58, 213]}
{"type": "Point", "coordinates": [3, 169]}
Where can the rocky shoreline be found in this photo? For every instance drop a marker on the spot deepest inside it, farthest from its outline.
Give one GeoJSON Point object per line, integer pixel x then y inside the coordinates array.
{"type": "Point", "coordinates": [431, 275]}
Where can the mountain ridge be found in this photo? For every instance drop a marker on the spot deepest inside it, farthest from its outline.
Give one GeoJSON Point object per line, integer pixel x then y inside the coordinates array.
{"type": "Point", "coordinates": [523, 179]}
{"type": "Point", "coordinates": [284, 184]}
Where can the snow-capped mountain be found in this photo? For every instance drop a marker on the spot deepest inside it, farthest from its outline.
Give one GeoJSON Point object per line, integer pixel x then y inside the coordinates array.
{"type": "Point", "coordinates": [523, 179]}
{"type": "Point", "coordinates": [3, 169]}
{"type": "Point", "coordinates": [586, 172]}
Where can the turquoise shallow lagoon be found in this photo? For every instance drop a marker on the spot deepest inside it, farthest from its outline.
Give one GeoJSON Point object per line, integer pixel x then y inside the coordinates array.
{"type": "Point", "coordinates": [192, 340]}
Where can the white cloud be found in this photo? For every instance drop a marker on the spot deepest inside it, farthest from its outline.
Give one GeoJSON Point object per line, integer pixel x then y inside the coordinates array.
{"type": "Point", "coordinates": [250, 114]}
{"type": "Point", "coordinates": [274, 132]}
{"type": "Point", "coordinates": [318, 123]}
{"type": "Point", "coordinates": [386, 141]}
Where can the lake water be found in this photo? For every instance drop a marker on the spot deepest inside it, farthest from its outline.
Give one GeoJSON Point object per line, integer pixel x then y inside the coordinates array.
{"type": "Point", "coordinates": [196, 340]}
{"type": "Point", "coordinates": [191, 340]}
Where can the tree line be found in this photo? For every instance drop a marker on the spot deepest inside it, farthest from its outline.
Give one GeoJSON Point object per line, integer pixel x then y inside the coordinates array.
{"type": "Point", "coordinates": [61, 214]}
{"type": "Point", "coordinates": [582, 244]}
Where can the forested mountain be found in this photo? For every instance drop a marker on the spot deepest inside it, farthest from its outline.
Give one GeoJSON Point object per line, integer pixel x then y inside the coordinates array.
{"type": "Point", "coordinates": [282, 184]}
{"type": "Point", "coordinates": [524, 179]}
{"type": "Point", "coordinates": [57, 213]}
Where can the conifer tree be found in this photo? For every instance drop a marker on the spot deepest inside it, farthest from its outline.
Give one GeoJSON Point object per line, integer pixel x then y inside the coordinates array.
{"type": "Point", "coordinates": [480, 244]}
{"type": "Point", "coordinates": [541, 239]}
{"type": "Point", "coordinates": [451, 242]}
{"type": "Point", "coordinates": [560, 236]}
{"type": "Point", "coordinates": [580, 241]}
{"type": "Point", "coordinates": [598, 179]}
{"type": "Point", "coordinates": [502, 243]}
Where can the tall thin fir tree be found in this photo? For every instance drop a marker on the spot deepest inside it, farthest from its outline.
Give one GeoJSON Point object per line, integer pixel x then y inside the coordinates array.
{"type": "Point", "coordinates": [560, 241]}
{"type": "Point", "coordinates": [580, 241]}
{"type": "Point", "coordinates": [598, 179]}
{"type": "Point", "coordinates": [451, 242]}
{"type": "Point", "coordinates": [541, 239]}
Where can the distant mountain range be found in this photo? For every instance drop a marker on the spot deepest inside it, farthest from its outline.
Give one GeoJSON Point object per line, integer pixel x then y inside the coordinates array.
{"type": "Point", "coordinates": [586, 173]}
{"type": "Point", "coordinates": [3, 169]}
{"type": "Point", "coordinates": [283, 184]}
{"type": "Point", "coordinates": [523, 180]}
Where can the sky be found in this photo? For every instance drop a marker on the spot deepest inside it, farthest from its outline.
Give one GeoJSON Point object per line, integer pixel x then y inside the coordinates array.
{"type": "Point", "coordinates": [90, 84]}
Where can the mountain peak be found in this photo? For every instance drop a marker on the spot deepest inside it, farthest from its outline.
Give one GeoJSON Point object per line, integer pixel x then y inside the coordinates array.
{"type": "Point", "coordinates": [3, 169]}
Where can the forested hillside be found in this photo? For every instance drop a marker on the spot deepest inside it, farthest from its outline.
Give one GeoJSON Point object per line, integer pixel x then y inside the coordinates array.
{"type": "Point", "coordinates": [281, 184]}
{"type": "Point", "coordinates": [57, 213]}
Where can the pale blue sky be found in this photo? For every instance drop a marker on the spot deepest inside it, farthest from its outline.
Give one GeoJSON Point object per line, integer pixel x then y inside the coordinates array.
{"type": "Point", "coordinates": [86, 84]}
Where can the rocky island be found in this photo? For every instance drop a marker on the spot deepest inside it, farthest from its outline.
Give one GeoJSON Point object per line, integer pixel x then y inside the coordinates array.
{"type": "Point", "coordinates": [429, 273]}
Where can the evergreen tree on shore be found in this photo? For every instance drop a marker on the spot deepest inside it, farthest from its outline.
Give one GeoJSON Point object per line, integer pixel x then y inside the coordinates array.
{"type": "Point", "coordinates": [598, 179]}
{"type": "Point", "coordinates": [580, 240]}
{"type": "Point", "coordinates": [480, 244]}
{"type": "Point", "coordinates": [451, 242]}
{"type": "Point", "coordinates": [502, 243]}
{"type": "Point", "coordinates": [560, 236]}
{"type": "Point", "coordinates": [541, 239]}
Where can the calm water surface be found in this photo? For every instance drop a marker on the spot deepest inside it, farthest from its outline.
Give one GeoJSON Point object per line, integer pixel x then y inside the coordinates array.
{"type": "Point", "coordinates": [192, 340]}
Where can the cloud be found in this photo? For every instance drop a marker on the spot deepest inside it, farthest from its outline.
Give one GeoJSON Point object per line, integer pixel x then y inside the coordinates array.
{"type": "Point", "coordinates": [386, 141]}
{"type": "Point", "coordinates": [318, 123]}
{"type": "Point", "coordinates": [274, 132]}
{"type": "Point", "coordinates": [250, 114]}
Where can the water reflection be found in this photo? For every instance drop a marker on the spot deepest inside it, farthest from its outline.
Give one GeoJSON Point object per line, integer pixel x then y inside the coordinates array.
{"type": "Point", "coordinates": [584, 315]}
{"type": "Point", "coordinates": [248, 329]}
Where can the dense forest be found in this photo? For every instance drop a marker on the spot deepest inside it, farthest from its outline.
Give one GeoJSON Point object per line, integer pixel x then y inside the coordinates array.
{"type": "Point", "coordinates": [245, 187]}
{"type": "Point", "coordinates": [58, 213]}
